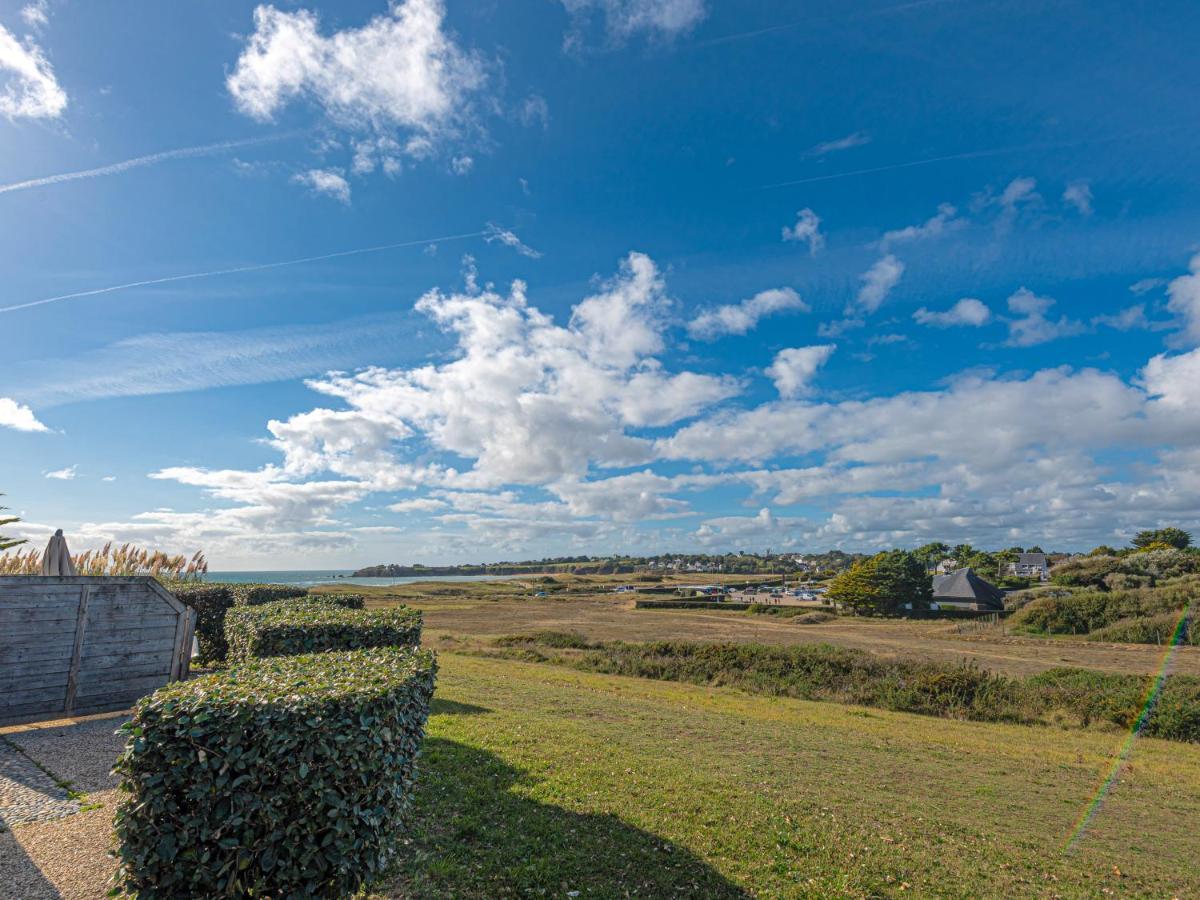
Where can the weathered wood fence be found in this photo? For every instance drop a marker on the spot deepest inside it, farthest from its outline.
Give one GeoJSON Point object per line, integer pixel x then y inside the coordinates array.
{"type": "Point", "coordinates": [74, 645]}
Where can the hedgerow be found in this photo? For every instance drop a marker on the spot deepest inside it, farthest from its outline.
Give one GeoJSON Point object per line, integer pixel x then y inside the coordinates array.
{"type": "Point", "coordinates": [954, 690]}
{"type": "Point", "coordinates": [1158, 629]}
{"type": "Point", "coordinates": [348, 601]}
{"type": "Point", "coordinates": [290, 627]}
{"type": "Point", "coordinates": [257, 594]}
{"type": "Point", "coordinates": [211, 602]}
{"type": "Point", "coordinates": [281, 777]}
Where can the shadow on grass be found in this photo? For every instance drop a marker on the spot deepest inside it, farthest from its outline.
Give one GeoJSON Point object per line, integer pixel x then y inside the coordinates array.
{"type": "Point", "coordinates": [473, 836]}
{"type": "Point", "coordinates": [440, 707]}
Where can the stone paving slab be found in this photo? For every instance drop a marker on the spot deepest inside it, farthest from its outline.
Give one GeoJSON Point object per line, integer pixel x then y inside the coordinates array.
{"type": "Point", "coordinates": [27, 794]}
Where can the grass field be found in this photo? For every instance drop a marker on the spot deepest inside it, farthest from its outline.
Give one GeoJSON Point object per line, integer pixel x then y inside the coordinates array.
{"type": "Point", "coordinates": [460, 614]}
{"type": "Point", "coordinates": [540, 781]}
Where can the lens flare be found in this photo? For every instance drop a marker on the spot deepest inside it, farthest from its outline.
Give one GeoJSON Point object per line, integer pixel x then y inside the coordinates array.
{"type": "Point", "coordinates": [1118, 766]}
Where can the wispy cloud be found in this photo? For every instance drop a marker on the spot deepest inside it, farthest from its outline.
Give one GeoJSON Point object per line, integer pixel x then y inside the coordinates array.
{"type": "Point", "coordinates": [197, 360]}
{"type": "Point", "coordinates": [329, 182]}
{"type": "Point", "coordinates": [138, 162]}
{"type": "Point", "coordinates": [28, 88]}
{"type": "Point", "coordinates": [509, 238]}
{"type": "Point", "coordinates": [67, 474]}
{"type": "Point", "coordinates": [256, 267]}
{"type": "Point", "coordinates": [857, 139]}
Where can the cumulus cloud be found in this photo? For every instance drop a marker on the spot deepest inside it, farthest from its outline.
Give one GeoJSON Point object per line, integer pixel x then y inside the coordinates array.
{"type": "Point", "coordinates": [28, 87]}
{"type": "Point", "coordinates": [1078, 194]}
{"type": "Point", "coordinates": [739, 318]}
{"type": "Point", "coordinates": [1032, 326]}
{"type": "Point", "coordinates": [21, 418]}
{"type": "Point", "coordinates": [1184, 301]}
{"type": "Point", "coordinates": [329, 182]}
{"type": "Point", "coordinates": [625, 18]}
{"type": "Point", "coordinates": [807, 230]}
{"type": "Point", "coordinates": [967, 311]}
{"type": "Point", "coordinates": [878, 281]}
{"type": "Point", "coordinates": [67, 474]}
{"type": "Point", "coordinates": [1128, 319]}
{"type": "Point", "coordinates": [400, 71]}
{"type": "Point", "coordinates": [794, 368]}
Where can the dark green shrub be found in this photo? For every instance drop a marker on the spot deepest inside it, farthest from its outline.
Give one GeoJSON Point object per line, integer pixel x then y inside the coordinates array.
{"type": "Point", "coordinates": [1087, 571]}
{"type": "Point", "coordinates": [347, 601]}
{"type": "Point", "coordinates": [561, 640]}
{"type": "Point", "coordinates": [211, 602]}
{"type": "Point", "coordinates": [1086, 611]}
{"type": "Point", "coordinates": [257, 594]}
{"type": "Point", "coordinates": [281, 777]}
{"type": "Point", "coordinates": [290, 627]}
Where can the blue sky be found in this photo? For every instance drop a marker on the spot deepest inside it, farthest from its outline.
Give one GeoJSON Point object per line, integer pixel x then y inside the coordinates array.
{"type": "Point", "coordinates": [597, 275]}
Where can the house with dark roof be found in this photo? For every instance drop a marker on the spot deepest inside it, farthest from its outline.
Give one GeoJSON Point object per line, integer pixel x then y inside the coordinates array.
{"type": "Point", "coordinates": [963, 589]}
{"type": "Point", "coordinates": [1030, 565]}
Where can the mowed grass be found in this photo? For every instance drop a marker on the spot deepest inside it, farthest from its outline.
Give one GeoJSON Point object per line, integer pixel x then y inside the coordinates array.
{"type": "Point", "coordinates": [540, 781]}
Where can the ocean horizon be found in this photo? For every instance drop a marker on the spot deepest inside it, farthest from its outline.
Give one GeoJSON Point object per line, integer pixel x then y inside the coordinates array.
{"type": "Point", "coordinates": [314, 577]}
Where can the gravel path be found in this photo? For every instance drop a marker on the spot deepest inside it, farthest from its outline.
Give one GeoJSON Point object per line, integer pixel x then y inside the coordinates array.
{"type": "Point", "coordinates": [50, 847]}
{"type": "Point", "coordinates": [27, 794]}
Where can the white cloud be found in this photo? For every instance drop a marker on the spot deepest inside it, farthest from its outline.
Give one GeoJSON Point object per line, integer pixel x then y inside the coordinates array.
{"type": "Point", "coordinates": [806, 230]}
{"type": "Point", "coordinates": [461, 165]}
{"type": "Point", "coordinates": [943, 221]}
{"type": "Point", "coordinates": [421, 504]}
{"type": "Point", "coordinates": [967, 311]}
{"type": "Point", "coordinates": [1079, 195]}
{"type": "Point", "coordinates": [1020, 194]}
{"type": "Point", "coordinates": [857, 139]}
{"type": "Point", "coordinates": [1145, 285]}
{"type": "Point", "coordinates": [37, 14]}
{"type": "Point", "coordinates": [494, 233]}
{"type": "Point", "coordinates": [1128, 319]}
{"type": "Point", "coordinates": [534, 110]}
{"type": "Point", "coordinates": [794, 368]}
{"type": "Point", "coordinates": [109, 478]}
{"type": "Point", "coordinates": [15, 415]}
{"type": "Point", "coordinates": [625, 18]}
{"type": "Point", "coordinates": [399, 71]}
{"type": "Point", "coordinates": [1184, 301]}
{"type": "Point", "coordinates": [28, 88]}
{"type": "Point", "coordinates": [329, 182]}
{"type": "Point", "coordinates": [739, 318]}
{"type": "Point", "coordinates": [878, 282]}
{"type": "Point", "coordinates": [66, 474]}
{"type": "Point", "coordinates": [1033, 327]}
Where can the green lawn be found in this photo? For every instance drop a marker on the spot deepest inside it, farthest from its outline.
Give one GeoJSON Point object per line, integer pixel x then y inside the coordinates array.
{"type": "Point", "coordinates": [540, 781]}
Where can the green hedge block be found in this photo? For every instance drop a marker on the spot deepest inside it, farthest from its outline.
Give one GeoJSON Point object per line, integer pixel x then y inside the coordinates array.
{"type": "Point", "coordinates": [211, 602]}
{"type": "Point", "coordinates": [349, 601]}
{"type": "Point", "coordinates": [257, 594]}
{"type": "Point", "coordinates": [303, 626]}
{"type": "Point", "coordinates": [281, 777]}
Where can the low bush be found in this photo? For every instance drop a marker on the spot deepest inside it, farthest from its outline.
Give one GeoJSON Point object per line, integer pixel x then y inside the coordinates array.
{"type": "Point", "coordinates": [1086, 611]}
{"type": "Point", "coordinates": [956, 690]}
{"type": "Point", "coordinates": [560, 640]}
{"type": "Point", "coordinates": [814, 618]}
{"type": "Point", "coordinates": [289, 776]}
{"type": "Point", "coordinates": [211, 602]}
{"type": "Point", "coordinates": [257, 594]}
{"type": "Point", "coordinates": [1158, 629]}
{"type": "Point", "coordinates": [1086, 571]}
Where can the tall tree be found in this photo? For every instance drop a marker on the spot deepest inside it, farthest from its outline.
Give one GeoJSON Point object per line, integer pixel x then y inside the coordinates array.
{"type": "Point", "coordinates": [884, 583]}
{"type": "Point", "coordinates": [5, 543]}
{"type": "Point", "coordinates": [1176, 537]}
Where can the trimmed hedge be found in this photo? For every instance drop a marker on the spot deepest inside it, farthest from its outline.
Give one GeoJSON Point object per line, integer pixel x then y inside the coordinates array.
{"type": "Point", "coordinates": [211, 602]}
{"type": "Point", "coordinates": [304, 626]}
{"type": "Point", "coordinates": [348, 601]}
{"type": "Point", "coordinates": [281, 777]}
{"type": "Point", "coordinates": [257, 594]}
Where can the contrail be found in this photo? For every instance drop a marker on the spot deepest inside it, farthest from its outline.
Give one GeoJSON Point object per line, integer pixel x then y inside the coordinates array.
{"type": "Point", "coordinates": [139, 161]}
{"type": "Point", "coordinates": [256, 267]}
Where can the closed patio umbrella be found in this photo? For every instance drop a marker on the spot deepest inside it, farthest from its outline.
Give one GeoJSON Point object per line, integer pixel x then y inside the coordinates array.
{"type": "Point", "coordinates": [57, 558]}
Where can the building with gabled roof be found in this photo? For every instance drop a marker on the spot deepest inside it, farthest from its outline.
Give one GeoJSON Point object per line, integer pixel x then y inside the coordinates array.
{"type": "Point", "coordinates": [963, 589]}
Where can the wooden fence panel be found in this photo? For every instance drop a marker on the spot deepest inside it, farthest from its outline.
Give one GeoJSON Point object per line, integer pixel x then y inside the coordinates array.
{"type": "Point", "coordinates": [82, 644]}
